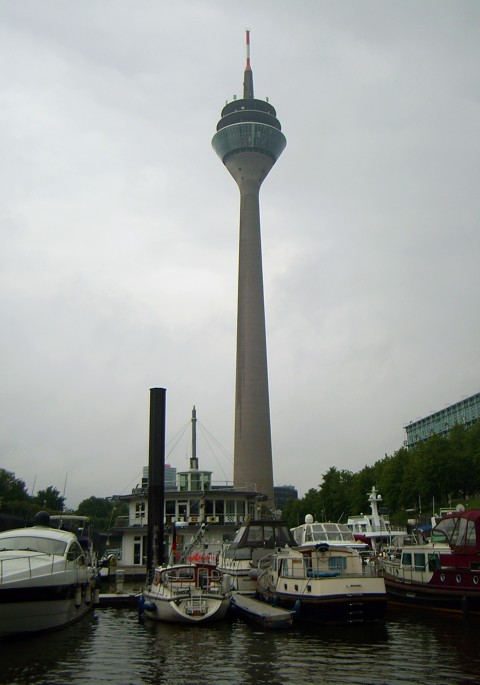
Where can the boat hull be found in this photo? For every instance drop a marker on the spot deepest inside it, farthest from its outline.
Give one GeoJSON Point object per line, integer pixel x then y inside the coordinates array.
{"type": "Point", "coordinates": [186, 609]}
{"type": "Point", "coordinates": [359, 599]}
{"type": "Point", "coordinates": [432, 596]}
{"type": "Point", "coordinates": [36, 610]}
{"type": "Point", "coordinates": [335, 609]}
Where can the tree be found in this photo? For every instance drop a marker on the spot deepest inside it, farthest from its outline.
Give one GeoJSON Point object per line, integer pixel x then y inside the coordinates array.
{"type": "Point", "coordinates": [12, 489]}
{"type": "Point", "coordinates": [335, 494]}
{"type": "Point", "coordinates": [101, 510]}
{"type": "Point", "coordinates": [50, 498]}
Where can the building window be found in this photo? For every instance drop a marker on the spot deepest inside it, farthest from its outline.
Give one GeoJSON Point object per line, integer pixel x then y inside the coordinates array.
{"type": "Point", "coordinates": [139, 512]}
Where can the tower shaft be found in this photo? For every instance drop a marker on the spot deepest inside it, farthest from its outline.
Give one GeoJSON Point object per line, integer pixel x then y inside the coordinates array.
{"type": "Point", "coordinates": [253, 463]}
{"type": "Point", "coordinates": [249, 141]}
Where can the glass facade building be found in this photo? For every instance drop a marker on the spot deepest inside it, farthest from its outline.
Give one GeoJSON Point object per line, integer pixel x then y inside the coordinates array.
{"type": "Point", "coordinates": [465, 413]}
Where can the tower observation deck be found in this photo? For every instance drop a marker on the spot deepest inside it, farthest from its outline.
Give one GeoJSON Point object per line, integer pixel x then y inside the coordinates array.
{"type": "Point", "coordinates": [249, 140]}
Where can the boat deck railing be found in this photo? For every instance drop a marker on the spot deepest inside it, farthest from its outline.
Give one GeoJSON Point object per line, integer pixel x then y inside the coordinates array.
{"type": "Point", "coordinates": [406, 573]}
{"type": "Point", "coordinates": [333, 567]}
{"type": "Point", "coordinates": [12, 568]}
{"type": "Point", "coordinates": [384, 529]}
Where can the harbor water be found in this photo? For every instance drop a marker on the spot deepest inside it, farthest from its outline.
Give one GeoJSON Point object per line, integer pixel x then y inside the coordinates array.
{"type": "Point", "coordinates": [113, 646]}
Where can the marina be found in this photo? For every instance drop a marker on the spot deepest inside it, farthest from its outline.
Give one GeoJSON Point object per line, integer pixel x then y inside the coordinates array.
{"type": "Point", "coordinates": [203, 581]}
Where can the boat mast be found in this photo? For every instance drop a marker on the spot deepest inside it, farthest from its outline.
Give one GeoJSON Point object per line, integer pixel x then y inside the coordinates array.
{"type": "Point", "coordinates": [374, 498]}
{"type": "Point", "coordinates": [194, 459]}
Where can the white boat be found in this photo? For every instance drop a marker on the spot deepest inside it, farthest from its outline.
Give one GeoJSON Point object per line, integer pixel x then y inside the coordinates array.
{"type": "Point", "coordinates": [313, 533]}
{"type": "Point", "coordinates": [323, 584]}
{"type": "Point", "coordinates": [186, 593]}
{"type": "Point", "coordinates": [254, 540]}
{"type": "Point", "coordinates": [46, 579]}
{"type": "Point", "coordinates": [375, 529]}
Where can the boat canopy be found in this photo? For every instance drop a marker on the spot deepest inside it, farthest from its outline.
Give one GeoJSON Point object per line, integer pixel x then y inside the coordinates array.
{"type": "Point", "coordinates": [460, 530]}
{"type": "Point", "coordinates": [260, 535]}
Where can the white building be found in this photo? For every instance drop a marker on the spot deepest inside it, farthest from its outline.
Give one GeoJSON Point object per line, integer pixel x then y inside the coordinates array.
{"type": "Point", "coordinates": [195, 503]}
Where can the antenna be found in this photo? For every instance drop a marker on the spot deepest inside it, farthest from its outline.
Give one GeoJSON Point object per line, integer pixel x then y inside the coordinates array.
{"type": "Point", "coordinates": [247, 42]}
{"type": "Point", "coordinates": [248, 76]}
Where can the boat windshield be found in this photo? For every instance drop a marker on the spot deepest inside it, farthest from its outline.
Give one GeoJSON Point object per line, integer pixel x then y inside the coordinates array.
{"type": "Point", "coordinates": [267, 534]}
{"type": "Point", "coordinates": [323, 532]}
{"type": "Point", "coordinates": [33, 544]}
{"type": "Point", "coordinates": [457, 531]}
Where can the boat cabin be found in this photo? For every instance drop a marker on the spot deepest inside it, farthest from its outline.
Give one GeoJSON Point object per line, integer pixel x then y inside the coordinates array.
{"type": "Point", "coordinates": [313, 533]}
{"type": "Point", "coordinates": [460, 530]}
{"type": "Point", "coordinates": [259, 535]}
{"type": "Point", "coordinates": [196, 575]}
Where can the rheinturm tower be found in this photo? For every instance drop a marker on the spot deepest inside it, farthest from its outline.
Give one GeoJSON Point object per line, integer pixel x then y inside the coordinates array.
{"type": "Point", "coordinates": [249, 140]}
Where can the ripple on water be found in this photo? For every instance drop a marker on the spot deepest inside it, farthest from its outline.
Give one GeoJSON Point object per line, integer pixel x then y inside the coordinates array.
{"type": "Point", "coordinates": [112, 647]}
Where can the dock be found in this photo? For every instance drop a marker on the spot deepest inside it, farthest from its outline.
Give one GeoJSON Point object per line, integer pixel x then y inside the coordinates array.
{"type": "Point", "coordinates": [266, 615]}
{"type": "Point", "coordinates": [117, 599]}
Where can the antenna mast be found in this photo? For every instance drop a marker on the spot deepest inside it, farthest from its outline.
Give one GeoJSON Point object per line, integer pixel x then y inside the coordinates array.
{"type": "Point", "coordinates": [248, 76]}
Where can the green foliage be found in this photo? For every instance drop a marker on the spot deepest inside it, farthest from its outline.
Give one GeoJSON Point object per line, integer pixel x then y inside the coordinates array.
{"type": "Point", "coordinates": [12, 489]}
{"type": "Point", "coordinates": [102, 511]}
{"type": "Point", "coordinates": [50, 499]}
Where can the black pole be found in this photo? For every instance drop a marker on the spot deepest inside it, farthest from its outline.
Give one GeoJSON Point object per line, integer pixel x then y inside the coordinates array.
{"type": "Point", "coordinates": [156, 479]}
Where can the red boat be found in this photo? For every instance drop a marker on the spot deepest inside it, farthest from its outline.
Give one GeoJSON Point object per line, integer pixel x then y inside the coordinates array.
{"type": "Point", "coordinates": [443, 573]}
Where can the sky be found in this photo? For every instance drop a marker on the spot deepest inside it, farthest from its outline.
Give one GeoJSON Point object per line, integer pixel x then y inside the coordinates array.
{"type": "Point", "coordinates": [119, 230]}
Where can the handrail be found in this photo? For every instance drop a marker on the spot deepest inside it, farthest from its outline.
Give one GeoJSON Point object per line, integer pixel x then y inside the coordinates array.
{"type": "Point", "coordinates": [24, 565]}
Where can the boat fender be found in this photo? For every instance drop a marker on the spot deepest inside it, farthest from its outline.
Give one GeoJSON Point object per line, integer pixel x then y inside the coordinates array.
{"type": "Point", "coordinates": [297, 607]}
{"type": "Point", "coordinates": [88, 594]}
{"type": "Point", "coordinates": [149, 606]}
{"type": "Point", "coordinates": [141, 604]}
{"type": "Point", "coordinates": [275, 601]}
{"type": "Point", "coordinates": [78, 596]}
{"type": "Point", "coordinates": [96, 596]}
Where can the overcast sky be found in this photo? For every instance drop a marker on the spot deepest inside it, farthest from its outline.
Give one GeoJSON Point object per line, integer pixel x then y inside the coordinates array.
{"type": "Point", "coordinates": [119, 229]}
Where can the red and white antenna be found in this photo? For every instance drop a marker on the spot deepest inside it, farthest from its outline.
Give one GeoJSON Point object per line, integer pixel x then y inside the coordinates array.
{"type": "Point", "coordinates": [247, 41]}
{"type": "Point", "coordinates": [248, 75]}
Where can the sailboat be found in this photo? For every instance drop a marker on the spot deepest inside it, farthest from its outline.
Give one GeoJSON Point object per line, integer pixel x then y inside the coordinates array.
{"type": "Point", "coordinates": [186, 591]}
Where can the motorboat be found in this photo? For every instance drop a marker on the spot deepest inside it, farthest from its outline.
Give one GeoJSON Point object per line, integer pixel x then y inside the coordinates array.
{"type": "Point", "coordinates": [47, 581]}
{"type": "Point", "coordinates": [313, 533]}
{"type": "Point", "coordinates": [443, 573]}
{"type": "Point", "coordinates": [375, 529]}
{"type": "Point", "coordinates": [255, 539]}
{"type": "Point", "coordinates": [324, 584]}
{"type": "Point", "coordinates": [186, 593]}
{"type": "Point", "coordinates": [81, 527]}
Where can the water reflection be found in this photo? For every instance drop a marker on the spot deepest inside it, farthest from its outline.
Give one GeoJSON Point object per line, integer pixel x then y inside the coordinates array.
{"type": "Point", "coordinates": [30, 659]}
{"type": "Point", "coordinates": [112, 646]}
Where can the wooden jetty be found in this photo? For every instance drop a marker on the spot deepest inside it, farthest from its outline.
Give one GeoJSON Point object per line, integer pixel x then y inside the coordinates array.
{"type": "Point", "coordinates": [266, 615]}
{"type": "Point", "coordinates": [118, 599]}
